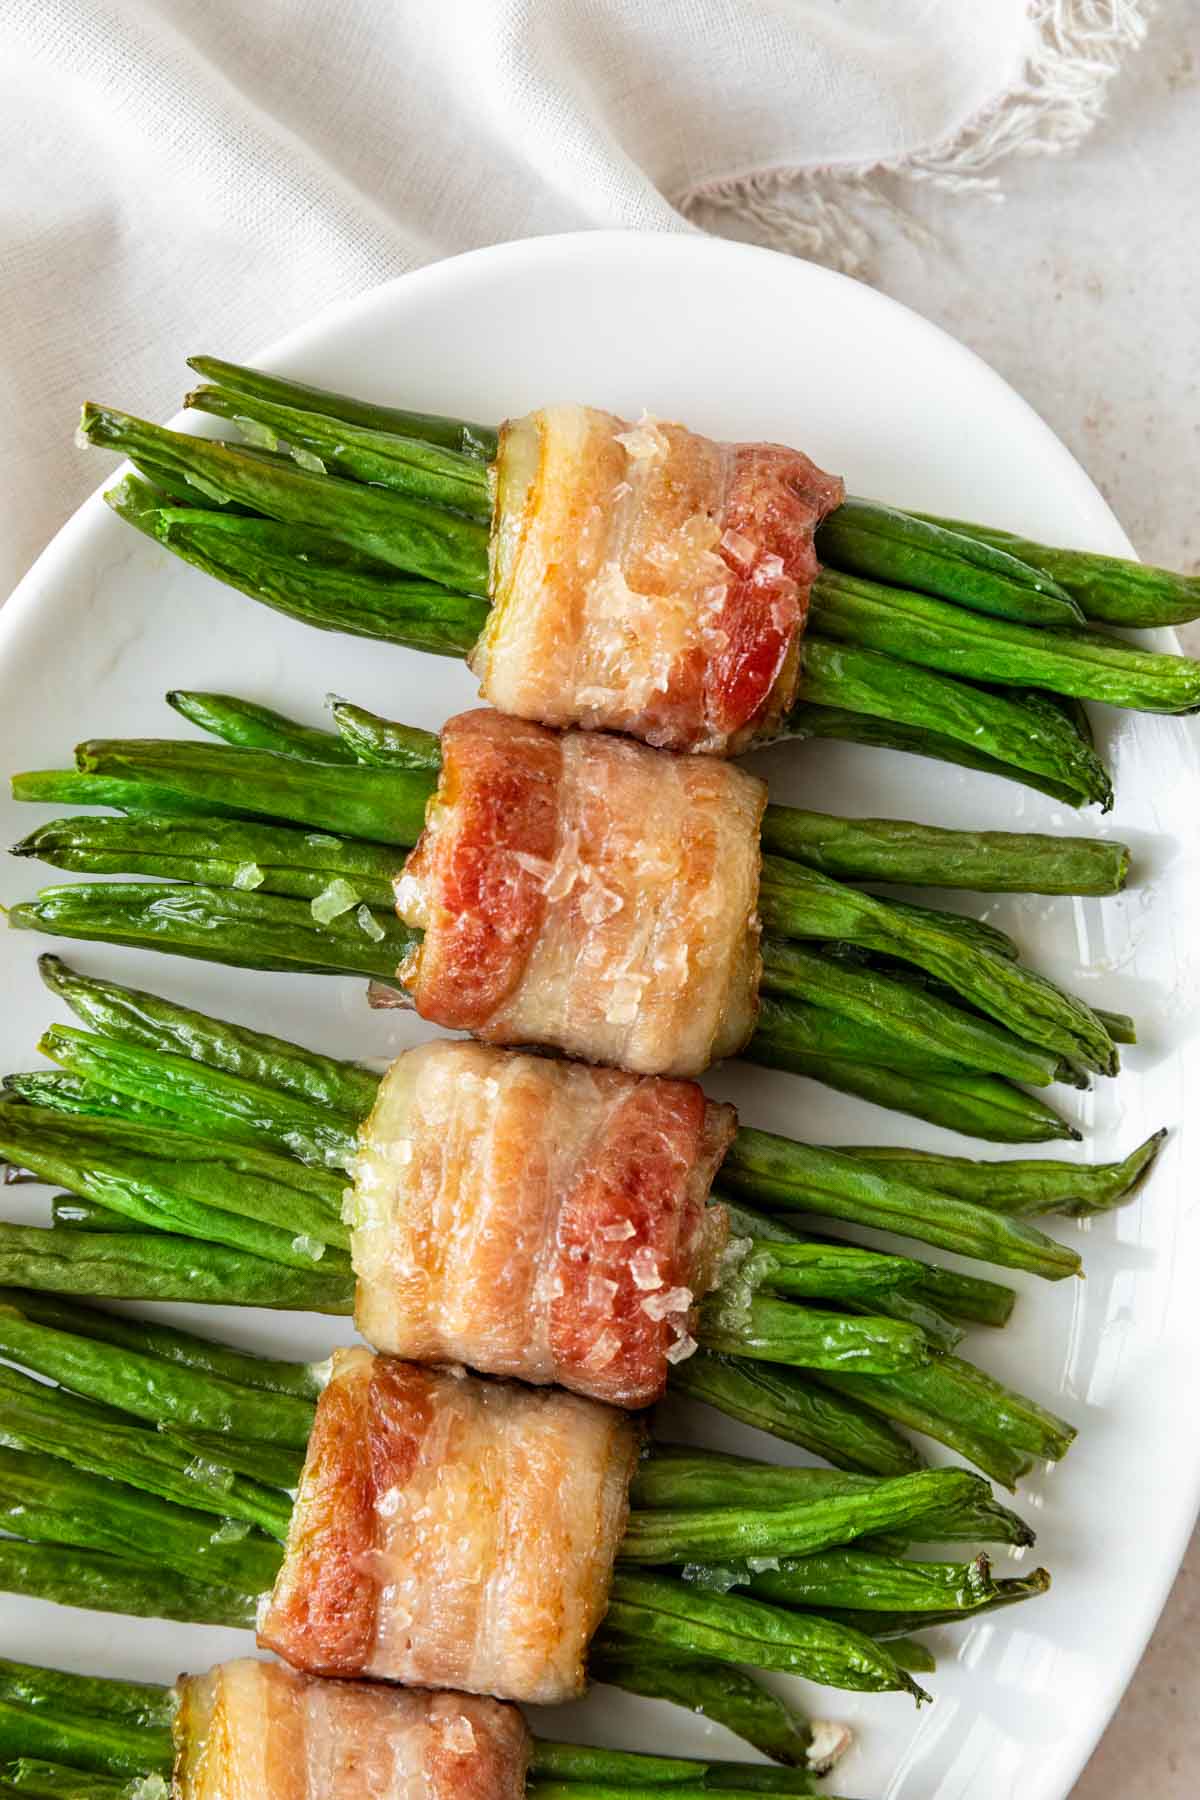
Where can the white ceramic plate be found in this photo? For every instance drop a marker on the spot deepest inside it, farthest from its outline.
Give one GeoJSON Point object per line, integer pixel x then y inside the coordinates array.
{"type": "Point", "coordinates": [739, 342]}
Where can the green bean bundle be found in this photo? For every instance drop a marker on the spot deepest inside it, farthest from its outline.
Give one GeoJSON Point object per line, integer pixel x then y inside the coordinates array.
{"type": "Point", "coordinates": [100, 1479]}
{"type": "Point", "coordinates": [279, 848]}
{"type": "Point", "coordinates": [83, 1737]}
{"type": "Point", "coordinates": [201, 1156]}
{"type": "Point", "coordinates": [375, 521]}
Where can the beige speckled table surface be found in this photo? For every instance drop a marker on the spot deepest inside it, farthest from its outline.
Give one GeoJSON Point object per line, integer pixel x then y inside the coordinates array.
{"type": "Point", "coordinates": [1083, 290]}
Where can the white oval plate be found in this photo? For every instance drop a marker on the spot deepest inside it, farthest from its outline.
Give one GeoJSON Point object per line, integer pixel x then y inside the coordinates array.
{"type": "Point", "coordinates": [740, 343]}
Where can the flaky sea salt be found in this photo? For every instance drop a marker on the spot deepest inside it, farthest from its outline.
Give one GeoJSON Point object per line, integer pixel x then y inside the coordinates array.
{"type": "Point", "coordinates": [601, 1352]}
{"type": "Point", "coordinates": [334, 900]}
{"type": "Point", "coordinates": [643, 1266]}
{"type": "Point", "coordinates": [458, 1735]}
{"type": "Point", "coordinates": [740, 547]}
{"type": "Point", "coordinates": [370, 924]}
{"type": "Point", "coordinates": [671, 1300]}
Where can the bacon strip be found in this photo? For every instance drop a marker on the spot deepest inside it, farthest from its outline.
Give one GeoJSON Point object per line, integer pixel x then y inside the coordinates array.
{"type": "Point", "coordinates": [586, 893]}
{"type": "Point", "coordinates": [255, 1731]}
{"type": "Point", "coordinates": [451, 1532]}
{"type": "Point", "coordinates": [531, 1218]}
{"type": "Point", "coordinates": [649, 580]}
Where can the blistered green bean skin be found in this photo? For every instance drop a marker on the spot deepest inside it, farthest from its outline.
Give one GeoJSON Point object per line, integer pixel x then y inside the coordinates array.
{"type": "Point", "coordinates": [668, 1614]}
{"type": "Point", "coordinates": [863, 538]}
{"type": "Point", "coordinates": [480, 441]}
{"type": "Point", "coordinates": [895, 850]}
{"type": "Point", "coordinates": [380, 458]}
{"type": "Point", "coordinates": [104, 1582]}
{"type": "Point", "coordinates": [403, 533]}
{"type": "Point", "coordinates": [1110, 589]}
{"type": "Point", "coordinates": [1082, 664]}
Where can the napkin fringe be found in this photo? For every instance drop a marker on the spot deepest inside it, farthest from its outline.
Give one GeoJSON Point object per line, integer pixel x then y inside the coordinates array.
{"type": "Point", "coordinates": [834, 215]}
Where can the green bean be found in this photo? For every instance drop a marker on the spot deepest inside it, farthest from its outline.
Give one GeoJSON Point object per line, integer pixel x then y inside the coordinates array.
{"type": "Point", "coordinates": [1014, 996]}
{"type": "Point", "coordinates": [83, 1099]}
{"type": "Point", "coordinates": [905, 551]}
{"type": "Point", "coordinates": [85, 1741]}
{"type": "Point", "coordinates": [149, 1387]}
{"type": "Point", "coordinates": [67, 787]}
{"type": "Point", "coordinates": [632, 1769]}
{"type": "Point", "coordinates": [134, 1016]}
{"type": "Point", "coordinates": [201, 1098]}
{"type": "Point", "coordinates": [975, 933]}
{"type": "Point", "coordinates": [247, 931]}
{"type": "Point", "coordinates": [1111, 589]}
{"type": "Point", "coordinates": [50, 1502]}
{"type": "Point", "coordinates": [771, 1526]}
{"type": "Point", "coordinates": [272, 1465]}
{"type": "Point", "coordinates": [219, 852]}
{"type": "Point", "coordinates": [910, 1028]}
{"type": "Point", "coordinates": [864, 681]}
{"type": "Point", "coordinates": [305, 573]}
{"type": "Point", "coordinates": [869, 1582]}
{"type": "Point", "coordinates": [669, 1615]}
{"type": "Point", "coordinates": [581, 1789]}
{"type": "Point", "coordinates": [983, 1106]}
{"type": "Point", "coordinates": [886, 1626]}
{"type": "Point", "coordinates": [1003, 1433]}
{"type": "Point", "coordinates": [171, 1344]}
{"type": "Point", "coordinates": [966, 1296]}
{"type": "Point", "coordinates": [385, 742]}
{"type": "Point", "coordinates": [105, 1583]}
{"type": "Point", "coordinates": [676, 1475]}
{"type": "Point", "coordinates": [387, 805]}
{"type": "Point", "coordinates": [405, 465]}
{"type": "Point", "coordinates": [805, 1337]}
{"type": "Point", "coordinates": [407, 534]}
{"type": "Point", "coordinates": [54, 1424]}
{"type": "Point", "coordinates": [128, 1702]}
{"type": "Point", "coordinates": [153, 1265]}
{"type": "Point", "coordinates": [254, 727]}
{"type": "Point", "coordinates": [55, 1781]}
{"type": "Point", "coordinates": [773, 1172]}
{"type": "Point", "coordinates": [1085, 664]}
{"type": "Point", "coordinates": [1121, 1028]}
{"type": "Point", "coordinates": [960, 1296]}
{"type": "Point", "coordinates": [939, 1331]}
{"type": "Point", "coordinates": [896, 850]}
{"type": "Point", "coordinates": [813, 1271]}
{"type": "Point", "coordinates": [232, 1194]}
{"type": "Point", "coordinates": [783, 1403]}
{"type": "Point", "coordinates": [716, 1690]}
{"type": "Point", "coordinates": [1021, 1189]}
{"type": "Point", "coordinates": [845, 725]}
{"type": "Point", "coordinates": [481, 441]}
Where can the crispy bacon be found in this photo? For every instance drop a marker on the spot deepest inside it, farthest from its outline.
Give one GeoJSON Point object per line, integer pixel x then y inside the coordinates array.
{"type": "Point", "coordinates": [584, 892]}
{"type": "Point", "coordinates": [255, 1731]}
{"type": "Point", "coordinates": [468, 1528]}
{"type": "Point", "coordinates": [649, 580]}
{"type": "Point", "coordinates": [517, 1214]}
